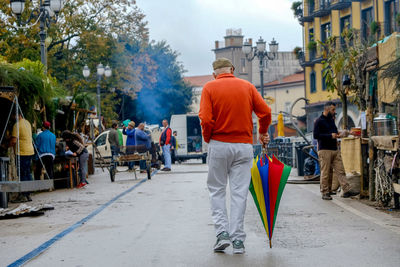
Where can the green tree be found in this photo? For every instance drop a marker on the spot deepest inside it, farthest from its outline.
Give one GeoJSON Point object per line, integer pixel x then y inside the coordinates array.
{"type": "Point", "coordinates": [297, 8]}
{"type": "Point", "coordinates": [346, 61]}
{"type": "Point", "coordinates": [111, 32]}
{"type": "Point", "coordinates": [32, 86]}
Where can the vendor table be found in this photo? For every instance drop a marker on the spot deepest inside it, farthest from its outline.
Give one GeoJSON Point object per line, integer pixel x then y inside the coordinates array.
{"type": "Point", "coordinates": [354, 163]}
{"type": "Point", "coordinates": [69, 168]}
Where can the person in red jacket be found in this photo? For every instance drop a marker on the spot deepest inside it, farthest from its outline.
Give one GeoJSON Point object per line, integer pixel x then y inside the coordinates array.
{"type": "Point", "coordinates": [226, 108]}
{"type": "Point", "coordinates": [165, 143]}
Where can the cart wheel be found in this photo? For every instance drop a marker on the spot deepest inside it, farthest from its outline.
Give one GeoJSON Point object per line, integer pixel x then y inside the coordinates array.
{"type": "Point", "coordinates": [148, 172]}
{"type": "Point", "coordinates": [112, 174]}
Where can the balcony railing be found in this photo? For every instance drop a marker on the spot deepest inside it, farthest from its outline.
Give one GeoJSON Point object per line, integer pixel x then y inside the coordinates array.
{"type": "Point", "coordinates": [309, 58]}
{"type": "Point", "coordinates": [323, 8]}
{"type": "Point", "coordinates": [340, 4]}
{"type": "Point", "coordinates": [308, 13]}
{"type": "Point", "coordinates": [312, 53]}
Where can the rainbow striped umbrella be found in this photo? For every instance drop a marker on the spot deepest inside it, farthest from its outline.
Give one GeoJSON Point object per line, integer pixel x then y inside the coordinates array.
{"type": "Point", "coordinates": [268, 179]}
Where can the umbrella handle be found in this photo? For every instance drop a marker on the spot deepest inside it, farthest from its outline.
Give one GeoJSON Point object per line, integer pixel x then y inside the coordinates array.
{"type": "Point", "coordinates": [264, 149]}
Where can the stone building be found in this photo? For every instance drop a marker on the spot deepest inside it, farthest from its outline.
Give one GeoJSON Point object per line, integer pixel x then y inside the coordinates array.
{"type": "Point", "coordinates": [284, 64]}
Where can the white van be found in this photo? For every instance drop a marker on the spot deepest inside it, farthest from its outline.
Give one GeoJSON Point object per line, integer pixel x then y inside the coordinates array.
{"type": "Point", "coordinates": [190, 141]}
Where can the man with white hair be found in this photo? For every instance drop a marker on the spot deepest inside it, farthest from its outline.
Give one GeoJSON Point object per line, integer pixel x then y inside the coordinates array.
{"type": "Point", "coordinates": [226, 108]}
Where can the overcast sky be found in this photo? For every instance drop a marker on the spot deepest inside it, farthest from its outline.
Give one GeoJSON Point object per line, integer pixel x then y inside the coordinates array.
{"type": "Point", "coordinates": [191, 27]}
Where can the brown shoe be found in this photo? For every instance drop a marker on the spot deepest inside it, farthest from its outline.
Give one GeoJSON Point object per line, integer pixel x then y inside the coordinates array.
{"type": "Point", "coordinates": [326, 196]}
{"type": "Point", "coordinates": [165, 169]}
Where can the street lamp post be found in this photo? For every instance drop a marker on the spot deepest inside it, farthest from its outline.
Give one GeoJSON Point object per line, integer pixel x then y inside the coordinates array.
{"type": "Point", "coordinates": [46, 13]}
{"type": "Point", "coordinates": [260, 52]}
{"type": "Point", "coordinates": [100, 72]}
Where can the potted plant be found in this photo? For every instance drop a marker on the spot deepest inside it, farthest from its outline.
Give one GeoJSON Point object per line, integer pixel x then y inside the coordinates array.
{"type": "Point", "coordinates": [297, 51]}
{"type": "Point", "coordinates": [312, 45]}
{"type": "Point", "coordinates": [374, 26]}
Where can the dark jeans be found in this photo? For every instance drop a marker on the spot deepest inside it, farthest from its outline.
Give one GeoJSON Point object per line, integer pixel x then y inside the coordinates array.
{"type": "Point", "coordinates": [25, 167]}
{"type": "Point", "coordinates": [173, 155]}
{"type": "Point", "coordinates": [48, 164]}
{"type": "Point", "coordinates": [114, 152]}
{"type": "Point", "coordinates": [25, 171]}
{"type": "Point", "coordinates": [130, 150]}
{"type": "Point", "coordinates": [83, 166]}
{"type": "Point", "coordinates": [142, 165]}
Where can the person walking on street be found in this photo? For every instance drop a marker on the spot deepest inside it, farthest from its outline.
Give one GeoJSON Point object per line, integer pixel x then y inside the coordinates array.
{"type": "Point", "coordinates": [226, 108]}
{"type": "Point", "coordinates": [130, 141]}
{"type": "Point", "coordinates": [23, 135]}
{"type": "Point", "coordinates": [46, 146]}
{"type": "Point", "coordinates": [165, 143]}
{"type": "Point", "coordinates": [78, 149]}
{"type": "Point", "coordinates": [142, 139]}
{"type": "Point", "coordinates": [326, 132]}
{"type": "Point", "coordinates": [113, 139]}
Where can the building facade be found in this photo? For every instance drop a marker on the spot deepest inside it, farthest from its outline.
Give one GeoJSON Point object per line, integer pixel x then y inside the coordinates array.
{"type": "Point", "coordinates": [197, 82]}
{"type": "Point", "coordinates": [322, 18]}
{"type": "Point", "coordinates": [286, 91]}
{"type": "Point", "coordinates": [285, 63]}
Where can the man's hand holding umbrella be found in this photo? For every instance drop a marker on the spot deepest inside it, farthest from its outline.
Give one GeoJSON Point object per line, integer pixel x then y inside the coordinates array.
{"type": "Point", "coordinates": [264, 139]}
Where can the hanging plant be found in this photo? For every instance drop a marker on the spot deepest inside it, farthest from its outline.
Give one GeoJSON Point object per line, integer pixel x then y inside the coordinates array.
{"type": "Point", "coordinates": [297, 51]}
{"type": "Point", "coordinates": [374, 26]}
{"type": "Point", "coordinates": [311, 45]}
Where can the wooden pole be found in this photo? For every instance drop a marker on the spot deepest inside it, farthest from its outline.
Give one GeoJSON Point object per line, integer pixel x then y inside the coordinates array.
{"type": "Point", "coordinates": [270, 244]}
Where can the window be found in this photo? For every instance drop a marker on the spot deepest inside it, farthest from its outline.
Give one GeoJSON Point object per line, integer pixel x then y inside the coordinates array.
{"type": "Point", "coordinates": [345, 22]}
{"type": "Point", "coordinates": [311, 6]}
{"type": "Point", "coordinates": [311, 35]}
{"type": "Point", "coordinates": [101, 140]}
{"type": "Point", "coordinates": [366, 20]}
{"type": "Point", "coordinates": [324, 4]}
{"type": "Point", "coordinates": [311, 49]}
{"type": "Point", "coordinates": [313, 87]}
{"type": "Point", "coordinates": [390, 16]}
{"type": "Point", "coordinates": [325, 32]}
{"type": "Point", "coordinates": [323, 81]}
{"type": "Point", "coordinates": [288, 105]}
{"type": "Point", "coordinates": [243, 65]}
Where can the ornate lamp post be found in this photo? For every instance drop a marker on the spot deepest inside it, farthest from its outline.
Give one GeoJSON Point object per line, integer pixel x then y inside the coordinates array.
{"type": "Point", "coordinates": [260, 52]}
{"type": "Point", "coordinates": [46, 13]}
{"type": "Point", "coordinates": [107, 72]}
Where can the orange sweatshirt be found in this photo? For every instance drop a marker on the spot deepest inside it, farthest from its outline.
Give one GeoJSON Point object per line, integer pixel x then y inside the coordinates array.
{"type": "Point", "coordinates": [226, 108]}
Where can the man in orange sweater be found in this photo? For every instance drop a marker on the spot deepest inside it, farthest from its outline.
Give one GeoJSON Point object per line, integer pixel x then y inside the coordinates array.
{"type": "Point", "coordinates": [226, 108]}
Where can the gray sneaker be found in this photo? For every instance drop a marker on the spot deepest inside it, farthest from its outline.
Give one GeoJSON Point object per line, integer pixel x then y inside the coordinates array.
{"type": "Point", "coordinates": [223, 242]}
{"type": "Point", "coordinates": [238, 247]}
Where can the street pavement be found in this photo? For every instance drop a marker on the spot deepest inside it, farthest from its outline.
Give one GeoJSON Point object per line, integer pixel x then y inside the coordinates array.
{"type": "Point", "coordinates": [166, 222]}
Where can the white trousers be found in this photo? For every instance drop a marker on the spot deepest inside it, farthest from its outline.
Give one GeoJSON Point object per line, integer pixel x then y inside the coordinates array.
{"type": "Point", "coordinates": [231, 161]}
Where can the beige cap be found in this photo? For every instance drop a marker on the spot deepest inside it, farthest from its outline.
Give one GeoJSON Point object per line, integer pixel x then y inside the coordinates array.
{"type": "Point", "coordinates": [222, 63]}
{"type": "Point", "coordinates": [132, 123]}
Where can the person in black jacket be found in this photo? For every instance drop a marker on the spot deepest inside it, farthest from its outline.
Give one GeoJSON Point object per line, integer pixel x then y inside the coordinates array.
{"type": "Point", "coordinates": [326, 132]}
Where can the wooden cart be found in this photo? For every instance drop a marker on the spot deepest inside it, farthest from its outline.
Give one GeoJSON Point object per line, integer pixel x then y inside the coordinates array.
{"type": "Point", "coordinates": [128, 154]}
